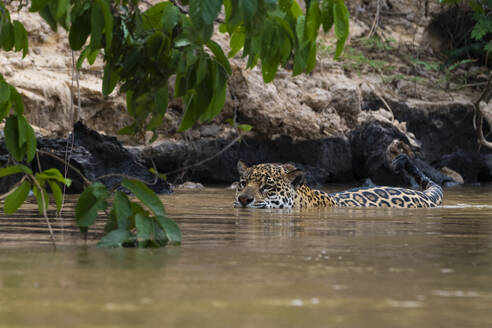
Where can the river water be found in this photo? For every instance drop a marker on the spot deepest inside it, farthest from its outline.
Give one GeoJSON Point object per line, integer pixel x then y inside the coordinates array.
{"type": "Point", "coordinates": [259, 268]}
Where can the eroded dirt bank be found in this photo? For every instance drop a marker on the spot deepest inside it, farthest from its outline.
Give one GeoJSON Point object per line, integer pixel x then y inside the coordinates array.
{"type": "Point", "coordinates": [336, 123]}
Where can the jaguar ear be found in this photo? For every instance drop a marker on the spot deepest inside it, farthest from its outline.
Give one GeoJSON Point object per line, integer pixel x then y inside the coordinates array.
{"type": "Point", "coordinates": [296, 177]}
{"type": "Point", "coordinates": [241, 168]}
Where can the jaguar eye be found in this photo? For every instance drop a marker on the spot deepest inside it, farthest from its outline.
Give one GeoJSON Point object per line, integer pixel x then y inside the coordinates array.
{"type": "Point", "coordinates": [265, 188]}
{"type": "Point", "coordinates": [241, 184]}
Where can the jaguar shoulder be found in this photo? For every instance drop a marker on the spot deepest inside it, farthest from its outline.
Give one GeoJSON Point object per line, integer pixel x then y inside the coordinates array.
{"type": "Point", "coordinates": [282, 186]}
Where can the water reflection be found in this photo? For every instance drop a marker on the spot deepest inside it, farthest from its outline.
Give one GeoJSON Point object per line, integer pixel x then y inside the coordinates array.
{"type": "Point", "coordinates": [259, 268]}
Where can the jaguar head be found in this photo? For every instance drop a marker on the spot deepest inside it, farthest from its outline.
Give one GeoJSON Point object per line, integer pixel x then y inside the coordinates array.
{"type": "Point", "coordinates": [267, 185]}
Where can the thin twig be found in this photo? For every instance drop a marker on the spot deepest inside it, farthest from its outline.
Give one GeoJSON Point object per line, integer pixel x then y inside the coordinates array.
{"type": "Point", "coordinates": [45, 214]}
{"type": "Point", "coordinates": [375, 23]}
{"type": "Point", "coordinates": [86, 181]}
{"type": "Point", "coordinates": [384, 102]}
{"type": "Point", "coordinates": [13, 188]}
{"type": "Point", "coordinates": [125, 176]}
{"type": "Point", "coordinates": [469, 85]}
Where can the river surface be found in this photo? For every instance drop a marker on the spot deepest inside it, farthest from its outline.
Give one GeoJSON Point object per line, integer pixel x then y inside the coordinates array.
{"type": "Point", "coordinates": [259, 268]}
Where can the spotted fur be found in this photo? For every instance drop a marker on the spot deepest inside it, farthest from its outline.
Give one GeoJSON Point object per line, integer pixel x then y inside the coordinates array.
{"type": "Point", "coordinates": [281, 186]}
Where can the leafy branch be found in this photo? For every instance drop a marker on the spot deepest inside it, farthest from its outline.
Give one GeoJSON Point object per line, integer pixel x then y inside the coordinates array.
{"type": "Point", "coordinates": [164, 51]}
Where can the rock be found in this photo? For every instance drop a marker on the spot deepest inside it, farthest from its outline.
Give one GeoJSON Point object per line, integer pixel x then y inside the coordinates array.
{"type": "Point", "coordinates": [453, 174]}
{"type": "Point", "coordinates": [190, 185]}
{"type": "Point", "coordinates": [325, 160]}
{"type": "Point", "coordinates": [93, 155]}
{"type": "Point", "coordinates": [233, 185]}
{"type": "Point", "coordinates": [346, 99]}
{"type": "Point", "coordinates": [108, 156]}
{"type": "Point", "coordinates": [473, 167]}
{"type": "Point", "coordinates": [318, 99]}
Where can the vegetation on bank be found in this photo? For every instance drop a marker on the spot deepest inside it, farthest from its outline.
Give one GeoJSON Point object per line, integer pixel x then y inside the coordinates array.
{"type": "Point", "coordinates": [142, 50]}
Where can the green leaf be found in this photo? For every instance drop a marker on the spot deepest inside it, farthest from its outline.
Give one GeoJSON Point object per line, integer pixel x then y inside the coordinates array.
{"type": "Point", "coordinates": [339, 48]}
{"type": "Point", "coordinates": [285, 5]}
{"type": "Point", "coordinates": [115, 238]}
{"type": "Point", "coordinates": [295, 10]}
{"type": "Point", "coordinates": [88, 54]}
{"type": "Point", "coordinates": [481, 28]}
{"type": "Point", "coordinates": [300, 25]}
{"type": "Point", "coordinates": [300, 60]}
{"type": "Point", "coordinates": [245, 127]}
{"type": "Point", "coordinates": [108, 22]}
{"type": "Point", "coordinates": [122, 210]}
{"type": "Point", "coordinates": [128, 130]}
{"type": "Point", "coordinates": [21, 126]}
{"type": "Point", "coordinates": [41, 195]}
{"type": "Point", "coordinates": [54, 174]}
{"type": "Point", "coordinates": [4, 92]}
{"type": "Point", "coordinates": [313, 21]}
{"type": "Point", "coordinates": [80, 30]}
{"type": "Point", "coordinates": [7, 37]}
{"type": "Point", "coordinates": [111, 223]}
{"type": "Point", "coordinates": [5, 109]}
{"type": "Point", "coordinates": [206, 11]}
{"type": "Point", "coordinates": [144, 227]}
{"type": "Point", "coordinates": [285, 50]}
{"type": "Point", "coordinates": [61, 12]}
{"type": "Point", "coordinates": [145, 195]}
{"type": "Point", "coordinates": [341, 17]}
{"type": "Point", "coordinates": [202, 69]}
{"type": "Point", "coordinates": [269, 70]}
{"type": "Point", "coordinates": [91, 58]}
{"type": "Point", "coordinates": [29, 137]}
{"type": "Point", "coordinates": [16, 99]}
{"type": "Point", "coordinates": [110, 79]}
{"type": "Point", "coordinates": [12, 138]}
{"type": "Point", "coordinates": [21, 42]}
{"type": "Point", "coordinates": [19, 168]}
{"type": "Point", "coordinates": [161, 100]}
{"type": "Point", "coordinates": [152, 17]}
{"type": "Point", "coordinates": [248, 9]}
{"type": "Point", "coordinates": [488, 47]}
{"type": "Point", "coordinates": [327, 17]}
{"type": "Point", "coordinates": [37, 5]}
{"type": "Point", "coordinates": [219, 55]}
{"type": "Point", "coordinates": [170, 17]}
{"type": "Point", "coordinates": [159, 238]}
{"type": "Point", "coordinates": [170, 227]}
{"type": "Point", "coordinates": [48, 17]}
{"type": "Point", "coordinates": [237, 42]}
{"type": "Point", "coordinates": [311, 59]}
{"type": "Point", "coordinates": [57, 194]}
{"type": "Point", "coordinates": [91, 201]}
{"type": "Point", "coordinates": [16, 198]}
{"type": "Point", "coordinates": [218, 95]}
{"type": "Point", "coordinates": [97, 26]}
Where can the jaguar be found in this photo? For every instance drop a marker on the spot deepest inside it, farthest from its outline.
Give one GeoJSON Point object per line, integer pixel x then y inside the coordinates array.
{"type": "Point", "coordinates": [283, 186]}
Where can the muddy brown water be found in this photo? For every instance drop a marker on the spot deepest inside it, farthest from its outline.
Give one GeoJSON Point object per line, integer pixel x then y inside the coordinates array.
{"type": "Point", "coordinates": [259, 268]}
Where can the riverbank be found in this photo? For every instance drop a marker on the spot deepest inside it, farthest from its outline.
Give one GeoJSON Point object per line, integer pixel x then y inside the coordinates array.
{"type": "Point", "coordinates": [390, 91]}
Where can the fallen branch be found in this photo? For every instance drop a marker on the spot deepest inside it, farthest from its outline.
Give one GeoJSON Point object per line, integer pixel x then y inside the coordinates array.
{"type": "Point", "coordinates": [478, 115]}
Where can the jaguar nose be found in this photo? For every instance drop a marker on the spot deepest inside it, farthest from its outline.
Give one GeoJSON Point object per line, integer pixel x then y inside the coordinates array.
{"type": "Point", "coordinates": [245, 199]}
